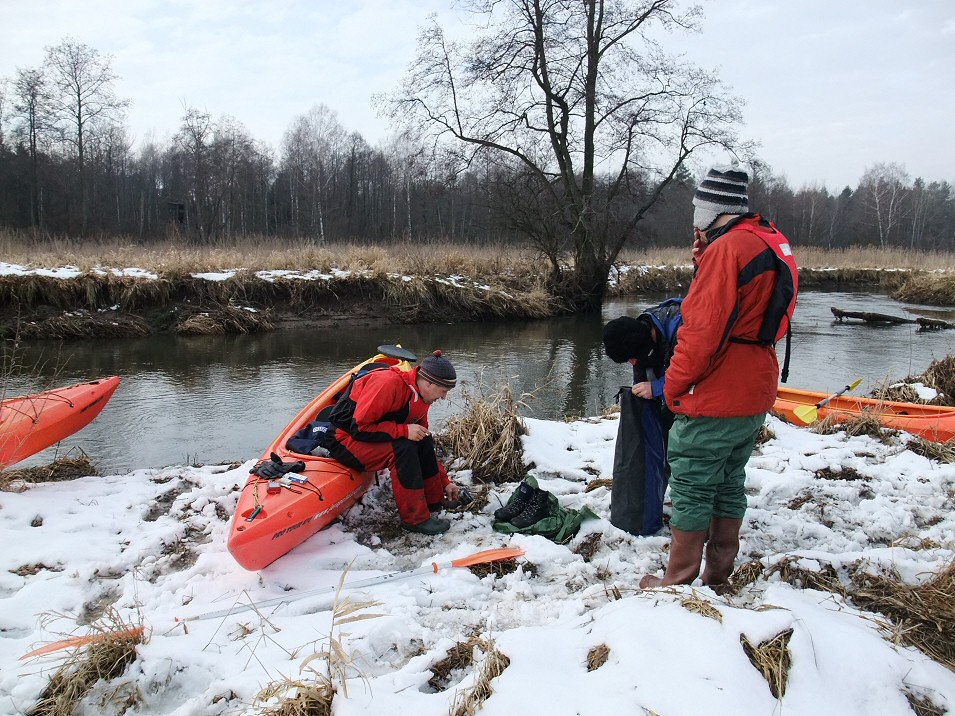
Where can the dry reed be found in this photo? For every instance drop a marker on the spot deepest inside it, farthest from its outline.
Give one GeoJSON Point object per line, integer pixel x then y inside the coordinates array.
{"type": "Point", "coordinates": [459, 657]}
{"type": "Point", "coordinates": [60, 469]}
{"type": "Point", "coordinates": [79, 324]}
{"type": "Point", "coordinates": [924, 706]}
{"type": "Point", "coordinates": [486, 436]}
{"type": "Point", "coordinates": [589, 546]}
{"type": "Point", "coordinates": [597, 656]}
{"type": "Point", "coordinates": [598, 483]}
{"type": "Point", "coordinates": [866, 422]}
{"type": "Point", "coordinates": [105, 658]}
{"type": "Point", "coordinates": [934, 289]}
{"type": "Point", "coordinates": [313, 695]}
{"type": "Point", "coordinates": [789, 570]}
{"type": "Point", "coordinates": [746, 574]}
{"type": "Point", "coordinates": [941, 452]}
{"type": "Point", "coordinates": [469, 701]}
{"type": "Point", "coordinates": [224, 320]}
{"type": "Point", "coordinates": [940, 376]}
{"type": "Point", "coordinates": [922, 614]}
{"type": "Point", "coordinates": [703, 607]}
{"type": "Point", "coordinates": [772, 659]}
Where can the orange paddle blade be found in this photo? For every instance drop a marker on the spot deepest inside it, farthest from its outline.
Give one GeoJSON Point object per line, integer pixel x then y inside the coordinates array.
{"type": "Point", "coordinates": [488, 555]}
{"type": "Point", "coordinates": [132, 632]}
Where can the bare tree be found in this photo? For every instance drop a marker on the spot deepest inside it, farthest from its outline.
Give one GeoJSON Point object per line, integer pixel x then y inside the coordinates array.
{"type": "Point", "coordinates": [32, 116]}
{"type": "Point", "coordinates": [883, 188]}
{"type": "Point", "coordinates": [194, 144]}
{"type": "Point", "coordinates": [579, 96]}
{"type": "Point", "coordinates": [314, 151]}
{"type": "Point", "coordinates": [5, 92]}
{"type": "Point", "coordinates": [82, 97]}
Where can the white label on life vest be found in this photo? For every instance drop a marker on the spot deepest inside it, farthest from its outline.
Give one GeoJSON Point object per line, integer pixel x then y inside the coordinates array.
{"type": "Point", "coordinates": [786, 250]}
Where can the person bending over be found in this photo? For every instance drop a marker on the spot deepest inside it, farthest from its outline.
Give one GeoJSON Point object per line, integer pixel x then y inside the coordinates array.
{"type": "Point", "coordinates": [382, 422]}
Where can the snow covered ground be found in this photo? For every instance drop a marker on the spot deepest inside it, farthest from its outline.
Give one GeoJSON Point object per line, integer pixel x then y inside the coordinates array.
{"type": "Point", "coordinates": [152, 543]}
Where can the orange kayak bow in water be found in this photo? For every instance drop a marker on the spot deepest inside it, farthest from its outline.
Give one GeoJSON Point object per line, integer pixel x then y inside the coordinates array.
{"type": "Point", "coordinates": [32, 423]}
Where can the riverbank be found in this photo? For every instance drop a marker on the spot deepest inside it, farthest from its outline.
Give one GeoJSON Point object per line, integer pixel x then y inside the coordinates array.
{"type": "Point", "coordinates": [843, 588]}
{"type": "Point", "coordinates": [99, 291]}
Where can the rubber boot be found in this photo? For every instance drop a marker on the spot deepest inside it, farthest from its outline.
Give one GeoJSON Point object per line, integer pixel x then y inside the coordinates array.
{"type": "Point", "coordinates": [686, 553]}
{"type": "Point", "coordinates": [721, 550]}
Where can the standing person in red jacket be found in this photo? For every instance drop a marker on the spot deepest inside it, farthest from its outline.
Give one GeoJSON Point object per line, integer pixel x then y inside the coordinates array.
{"type": "Point", "coordinates": [722, 378]}
{"type": "Point", "coordinates": [382, 422]}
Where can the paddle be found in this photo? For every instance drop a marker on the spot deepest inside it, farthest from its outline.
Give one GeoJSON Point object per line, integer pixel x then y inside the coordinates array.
{"type": "Point", "coordinates": [808, 413]}
{"type": "Point", "coordinates": [485, 557]}
{"type": "Point", "coordinates": [488, 555]}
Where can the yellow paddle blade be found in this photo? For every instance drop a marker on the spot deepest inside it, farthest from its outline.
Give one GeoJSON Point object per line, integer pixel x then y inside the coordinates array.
{"type": "Point", "coordinates": [808, 413]}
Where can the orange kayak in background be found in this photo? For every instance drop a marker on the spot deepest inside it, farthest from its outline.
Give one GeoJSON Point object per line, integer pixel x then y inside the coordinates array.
{"type": "Point", "coordinates": [267, 524]}
{"type": "Point", "coordinates": [931, 422]}
{"type": "Point", "coordinates": [32, 423]}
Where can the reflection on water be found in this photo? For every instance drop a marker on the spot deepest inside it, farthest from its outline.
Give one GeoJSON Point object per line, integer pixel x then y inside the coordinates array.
{"type": "Point", "coordinates": [223, 398]}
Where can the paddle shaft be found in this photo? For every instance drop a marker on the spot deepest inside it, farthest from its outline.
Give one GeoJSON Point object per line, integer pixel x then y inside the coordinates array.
{"type": "Point", "coordinates": [491, 555]}
{"type": "Point", "coordinates": [488, 555]}
{"type": "Point", "coordinates": [851, 386]}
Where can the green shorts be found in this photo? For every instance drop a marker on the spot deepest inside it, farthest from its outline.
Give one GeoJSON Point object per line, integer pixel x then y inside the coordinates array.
{"type": "Point", "coordinates": [707, 458]}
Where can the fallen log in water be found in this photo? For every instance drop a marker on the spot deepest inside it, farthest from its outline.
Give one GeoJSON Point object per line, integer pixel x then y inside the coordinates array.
{"type": "Point", "coordinates": [870, 317]}
{"type": "Point", "coordinates": [933, 324]}
{"type": "Point", "coordinates": [924, 324]}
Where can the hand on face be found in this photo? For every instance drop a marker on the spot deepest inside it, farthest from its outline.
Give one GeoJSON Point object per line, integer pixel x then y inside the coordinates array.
{"type": "Point", "coordinates": [699, 245]}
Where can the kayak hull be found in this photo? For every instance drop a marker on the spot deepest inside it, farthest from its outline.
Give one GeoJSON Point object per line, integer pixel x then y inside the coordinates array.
{"type": "Point", "coordinates": [931, 422]}
{"type": "Point", "coordinates": [267, 526]}
{"type": "Point", "coordinates": [31, 423]}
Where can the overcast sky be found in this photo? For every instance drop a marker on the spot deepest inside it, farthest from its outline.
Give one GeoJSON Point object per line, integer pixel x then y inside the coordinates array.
{"type": "Point", "coordinates": [831, 86]}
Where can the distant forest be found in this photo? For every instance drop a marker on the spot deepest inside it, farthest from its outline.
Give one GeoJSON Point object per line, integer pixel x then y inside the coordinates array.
{"type": "Point", "coordinates": [68, 168]}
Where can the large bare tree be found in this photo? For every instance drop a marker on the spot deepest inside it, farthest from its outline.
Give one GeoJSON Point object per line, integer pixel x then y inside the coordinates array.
{"type": "Point", "coordinates": [582, 108]}
{"type": "Point", "coordinates": [83, 99]}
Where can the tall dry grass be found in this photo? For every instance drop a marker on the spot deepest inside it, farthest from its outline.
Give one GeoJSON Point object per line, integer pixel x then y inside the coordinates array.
{"type": "Point", "coordinates": [433, 256]}
{"type": "Point", "coordinates": [268, 253]}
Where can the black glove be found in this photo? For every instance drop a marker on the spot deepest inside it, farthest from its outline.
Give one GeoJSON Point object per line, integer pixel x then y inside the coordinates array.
{"type": "Point", "coordinates": [274, 467]}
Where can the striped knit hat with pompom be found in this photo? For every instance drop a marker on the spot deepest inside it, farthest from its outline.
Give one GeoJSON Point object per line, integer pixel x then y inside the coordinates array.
{"type": "Point", "coordinates": [438, 369]}
{"type": "Point", "coordinates": [723, 191]}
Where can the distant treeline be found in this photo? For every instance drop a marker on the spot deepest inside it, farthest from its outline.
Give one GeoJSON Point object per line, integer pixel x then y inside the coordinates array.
{"type": "Point", "coordinates": [67, 167]}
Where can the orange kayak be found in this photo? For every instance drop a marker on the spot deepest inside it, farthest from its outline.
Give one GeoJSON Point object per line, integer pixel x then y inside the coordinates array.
{"type": "Point", "coordinates": [32, 423]}
{"type": "Point", "coordinates": [931, 422]}
{"type": "Point", "coordinates": [266, 525]}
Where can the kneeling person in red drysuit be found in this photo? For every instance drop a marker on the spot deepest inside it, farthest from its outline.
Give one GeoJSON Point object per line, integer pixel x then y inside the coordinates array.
{"type": "Point", "coordinates": [382, 422]}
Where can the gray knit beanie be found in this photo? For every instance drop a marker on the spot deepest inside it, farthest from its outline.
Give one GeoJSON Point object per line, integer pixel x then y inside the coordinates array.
{"type": "Point", "coordinates": [438, 369]}
{"type": "Point", "coordinates": [723, 191]}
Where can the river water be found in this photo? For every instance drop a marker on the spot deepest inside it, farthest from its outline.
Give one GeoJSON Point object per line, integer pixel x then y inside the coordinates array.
{"type": "Point", "coordinates": [220, 399]}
